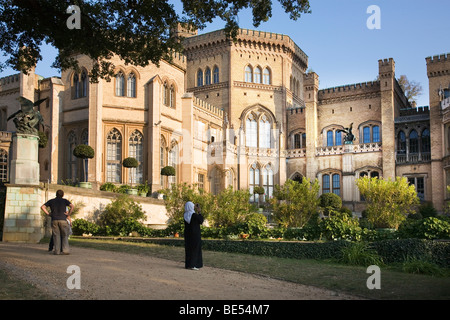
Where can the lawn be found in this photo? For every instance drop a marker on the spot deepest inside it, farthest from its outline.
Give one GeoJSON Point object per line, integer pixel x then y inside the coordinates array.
{"type": "Point", "coordinates": [395, 284]}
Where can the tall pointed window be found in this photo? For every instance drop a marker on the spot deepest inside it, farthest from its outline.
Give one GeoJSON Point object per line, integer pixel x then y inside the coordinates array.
{"type": "Point", "coordinates": [207, 76]}
{"type": "Point", "coordinates": [120, 85]}
{"type": "Point", "coordinates": [366, 135]}
{"type": "Point", "coordinates": [267, 175]}
{"type": "Point", "coordinates": [84, 84]}
{"type": "Point", "coordinates": [173, 161]}
{"type": "Point", "coordinates": [131, 86]}
{"type": "Point", "coordinates": [425, 141]}
{"type": "Point", "coordinates": [162, 158]}
{"type": "Point", "coordinates": [85, 140]}
{"type": "Point", "coordinates": [172, 96]}
{"type": "Point", "coordinates": [248, 74]}
{"type": "Point", "coordinates": [257, 75]}
{"type": "Point", "coordinates": [264, 132]}
{"type": "Point", "coordinates": [413, 142]}
{"type": "Point", "coordinates": [330, 142]}
{"type": "Point", "coordinates": [114, 156]}
{"type": "Point", "coordinates": [3, 165]}
{"type": "Point", "coordinates": [76, 86]}
{"type": "Point", "coordinates": [401, 143]}
{"type": "Point", "coordinates": [376, 134]}
{"type": "Point", "coordinates": [71, 159]}
{"type": "Point", "coordinates": [165, 93]}
{"type": "Point", "coordinates": [136, 150]}
{"type": "Point", "coordinates": [266, 76]}
{"type": "Point", "coordinates": [216, 74]}
{"type": "Point", "coordinates": [251, 132]}
{"type": "Point", "coordinates": [199, 78]}
{"type": "Point", "coordinates": [338, 138]}
{"type": "Point", "coordinates": [253, 182]}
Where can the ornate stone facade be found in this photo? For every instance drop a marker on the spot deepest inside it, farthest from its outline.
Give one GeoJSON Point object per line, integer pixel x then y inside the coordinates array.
{"type": "Point", "coordinates": [241, 113]}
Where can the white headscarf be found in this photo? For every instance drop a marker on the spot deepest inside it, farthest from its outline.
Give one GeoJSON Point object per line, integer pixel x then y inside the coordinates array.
{"type": "Point", "coordinates": [188, 211]}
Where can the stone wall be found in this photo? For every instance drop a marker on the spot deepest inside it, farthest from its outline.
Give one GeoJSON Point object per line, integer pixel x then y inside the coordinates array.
{"type": "Point", "coordinates": [94, 202]}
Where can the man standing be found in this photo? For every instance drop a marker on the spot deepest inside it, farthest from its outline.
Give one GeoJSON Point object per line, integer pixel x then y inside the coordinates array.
{"type": "Point", "coordinates": [60, 226]}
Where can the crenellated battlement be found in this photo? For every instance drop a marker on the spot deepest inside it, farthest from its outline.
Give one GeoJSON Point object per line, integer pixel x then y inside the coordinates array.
{"type": "Point", "coordinates": [251, 38]}
{"type": "Point", "coordinates": [349, 89]}
{"type": "Point", "coordinates": [438, 66]}
{"type": "Point", "coordinates": [423, 110]}
{"type": "Point", "coordinates": [10, 82]}
{"type": "Point", "coordinates": [439, 58]}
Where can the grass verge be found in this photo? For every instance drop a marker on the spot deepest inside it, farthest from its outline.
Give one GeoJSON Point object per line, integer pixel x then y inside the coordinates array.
{"type": "Point", "coordinates": [13, 288]}
{"type": "Point", "coordinates": [395, 284]}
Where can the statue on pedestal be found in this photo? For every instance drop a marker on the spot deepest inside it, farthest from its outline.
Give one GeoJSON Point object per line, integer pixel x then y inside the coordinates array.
{"type": "Point", "coordinates": [349, 136]}
{"type": "Point", "coordinates": [27, 120]}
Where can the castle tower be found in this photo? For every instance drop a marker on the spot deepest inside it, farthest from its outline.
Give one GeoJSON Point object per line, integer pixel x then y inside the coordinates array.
{"type": "Point", "coordinates": [311, 88]}
{"type": "Point", "coordinates": [387, 87]}
{"type": "Point", "coordinates": [438, 71]}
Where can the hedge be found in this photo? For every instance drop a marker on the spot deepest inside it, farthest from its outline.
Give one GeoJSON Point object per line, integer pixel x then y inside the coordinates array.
{"type": "Point", "coordinates": [391, 251]}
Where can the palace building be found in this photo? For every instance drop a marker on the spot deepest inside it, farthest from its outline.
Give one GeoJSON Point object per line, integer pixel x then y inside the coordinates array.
{"type": "Point", "coordinates": [241, 113]}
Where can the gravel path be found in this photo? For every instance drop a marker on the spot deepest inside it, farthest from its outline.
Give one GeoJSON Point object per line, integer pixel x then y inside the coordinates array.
{"type": "Point", "coordinates": [107, 275]}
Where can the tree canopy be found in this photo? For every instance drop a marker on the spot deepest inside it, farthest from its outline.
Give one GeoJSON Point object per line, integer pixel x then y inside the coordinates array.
{"type": "Point", "coordinates": [412, 89]}
{"type": "Point", "coordinates": [138, 31]}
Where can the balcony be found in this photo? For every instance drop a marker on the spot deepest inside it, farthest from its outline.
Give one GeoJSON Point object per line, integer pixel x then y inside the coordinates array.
{"type": "Point", "coordinates": [409, 158]}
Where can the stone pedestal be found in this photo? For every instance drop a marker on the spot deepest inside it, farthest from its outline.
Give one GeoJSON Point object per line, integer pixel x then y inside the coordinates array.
{"type": "Point", "coordinates": [348, 176]}
{"type": "Point", "coordinates": [24, 160]}
{"type": "Point", "coordinates": [23, 220]}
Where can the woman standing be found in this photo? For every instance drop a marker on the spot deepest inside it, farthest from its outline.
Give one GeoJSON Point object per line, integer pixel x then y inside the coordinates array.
{"type": "Point", "coordinates": [192, 236]}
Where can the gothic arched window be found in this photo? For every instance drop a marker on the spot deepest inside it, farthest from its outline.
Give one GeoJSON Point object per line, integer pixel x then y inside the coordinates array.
{"type": "Point", "coordinates": [120, 84]}
{"type": "Point", "coordinates": [131, 86]}
{"type": "Point", "coordinates": [114, 156]}
{"type": "Point", "coordinates": [136, 150]}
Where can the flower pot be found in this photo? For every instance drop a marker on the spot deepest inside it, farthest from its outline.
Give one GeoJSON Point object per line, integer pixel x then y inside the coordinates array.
{"type": "Point", "coordinates": [142, 194]}
{"type": "Point", "coordinates": [86, 185]}
{"type": "Point", "coordinates": [132, 191]}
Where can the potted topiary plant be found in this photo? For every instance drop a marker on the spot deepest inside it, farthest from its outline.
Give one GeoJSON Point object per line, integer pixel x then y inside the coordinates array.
{"type": "Point", "coordinates": [131, 163]}
{"type": "Point", "coordinates": [260, 191]}
{"type": "Point", "coordinates": [168, 171]}
{"type": "Point", "coordinates": [85, 152]}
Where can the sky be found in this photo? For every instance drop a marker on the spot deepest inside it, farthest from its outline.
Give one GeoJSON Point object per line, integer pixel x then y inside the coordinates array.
{"type": "Point", "coordinates": [341, 48]}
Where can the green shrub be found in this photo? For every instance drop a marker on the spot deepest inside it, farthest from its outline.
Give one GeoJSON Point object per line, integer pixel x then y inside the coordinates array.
{"type": "Point", "coordinates": [118, 211]}
{"type": "Point", "coordinates": [130, 162]}
{"type": "Point", "coordinates": [82, 226]}
{"type": "Point", "coordinates": [330, 202]}
{"type": "Point", "coordinates": [231, 207]}
{"type": "Point", "coordinates": [123, 188]}
{"type": "Point", "coordinates": [360, 254]}
{"type": "Point", "coordinates": [340, 226]}
{"type": "Point", "coordinates": [427, 210]}
{"type": "Point", "coordinates": [421, 266]}
{"type": "Point", "coordinates": [83, 151]}
{"type": "Point", "coordinates": [295, 203]}
{"type": "Point", "coordinates": [428, 228]}
{"type": "Point", "coordinates": [168, 171]}
{"type": "Point", "coordinates": [108, 186]}
{"type": "Point", "coordinates": [388, 202]}
{"type": "Point", "coordinates": [255, 224]}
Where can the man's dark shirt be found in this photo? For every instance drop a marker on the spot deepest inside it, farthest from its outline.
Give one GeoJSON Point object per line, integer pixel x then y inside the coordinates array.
{"type": "Point", "coordinates": [58, 207]}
